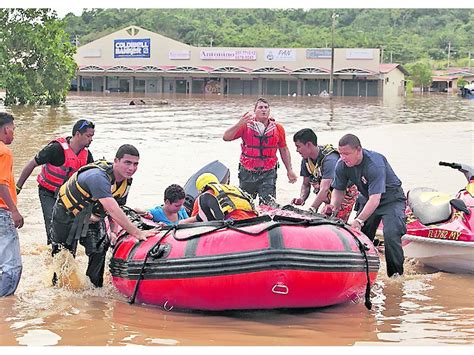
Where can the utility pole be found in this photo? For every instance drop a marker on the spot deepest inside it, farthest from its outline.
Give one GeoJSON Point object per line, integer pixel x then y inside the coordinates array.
{"type": "Point", "coordinates": [391, 58]}
{"type": "Point", "coordinates": [331, 75]}
{"type": "Point", "coordinates": [381, 53]}
{"type": "Point", "coordinates": [449, 51]}
{"type": "Point", "coordinates": [469, 60]}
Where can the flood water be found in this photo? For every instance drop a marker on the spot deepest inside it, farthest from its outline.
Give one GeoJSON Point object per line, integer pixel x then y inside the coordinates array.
{"type": "Point", "coordinates": [424, 307]}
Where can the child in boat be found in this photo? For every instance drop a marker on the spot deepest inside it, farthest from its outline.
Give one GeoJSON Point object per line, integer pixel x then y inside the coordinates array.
{"type": "Point", "coordinates": [172, 211]}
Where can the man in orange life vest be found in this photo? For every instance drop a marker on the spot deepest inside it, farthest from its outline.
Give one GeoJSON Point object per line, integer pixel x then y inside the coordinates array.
{"type": "Point", "coordinates": [261, 138]}
{"type": "Point", "coordinates": [59, 160]}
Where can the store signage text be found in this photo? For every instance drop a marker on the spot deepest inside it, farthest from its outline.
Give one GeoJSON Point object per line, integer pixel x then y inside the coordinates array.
{"type": "Point", "coordinates": [359, 54]}
{"type": "Point", "coordinates": [280, 55]}
{"type": "Point", "coordinates": [132, 48]}
{"type": "Point", "coordinates": [185, 54]}
{"type": "Point", "coordinates": [208, 54]}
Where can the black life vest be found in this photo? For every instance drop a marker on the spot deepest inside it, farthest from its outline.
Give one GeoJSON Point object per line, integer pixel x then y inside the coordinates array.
{"type": "Point", "coordinates": [75, 197]}
{"type": "Point", "coordinates": [315, 168]}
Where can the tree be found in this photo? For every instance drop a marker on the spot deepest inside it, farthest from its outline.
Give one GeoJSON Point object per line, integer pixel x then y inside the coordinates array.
{"type": "Point", "coordinates": [36, 59]}
{"type": "Point", "coordinates": [408, 35]}
{"type": "Point", "coordinates": [420, 73]}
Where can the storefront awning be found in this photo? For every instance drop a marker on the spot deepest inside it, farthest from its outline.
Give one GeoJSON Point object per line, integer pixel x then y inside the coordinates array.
{"type": "Point", "coordinates": [225, 69]}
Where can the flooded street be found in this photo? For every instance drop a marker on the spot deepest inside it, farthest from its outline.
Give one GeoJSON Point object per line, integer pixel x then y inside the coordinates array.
{"type": "Point", "coordinates": [422, 308]}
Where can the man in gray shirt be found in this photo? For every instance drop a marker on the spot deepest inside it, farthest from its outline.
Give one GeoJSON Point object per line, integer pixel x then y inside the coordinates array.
{"type": "Point", "coordinates": [93, 192]}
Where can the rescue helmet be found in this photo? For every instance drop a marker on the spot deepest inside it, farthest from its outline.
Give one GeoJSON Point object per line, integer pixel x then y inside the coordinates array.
{"type": "Point", "coordinates": [205, 179]}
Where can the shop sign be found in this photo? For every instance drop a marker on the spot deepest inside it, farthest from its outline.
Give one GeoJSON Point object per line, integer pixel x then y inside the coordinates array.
{"type": "Point", "coordinates": [92, 53]}
{"type": "Point", "coordinates": [244, 54]}
{"type": "Point", "coordinates": [179, 54]}
{"type": "Point", "coordinates": [318, 54]}
{"type": "Point", "coordinates": [132, 48]}
{"type": "Point", "coordinates": [359, 54]}
{"type": "Point", "coordinates": [280, 55]}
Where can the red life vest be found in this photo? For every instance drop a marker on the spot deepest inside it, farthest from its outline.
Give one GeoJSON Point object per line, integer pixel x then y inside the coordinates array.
{"type": "Point", "coordinates": [52, 177]}
{"type": "Point", "coordinates": [259, 149]}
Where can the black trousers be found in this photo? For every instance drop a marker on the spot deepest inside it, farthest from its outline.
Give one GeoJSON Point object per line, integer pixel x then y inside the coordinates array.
{"type": "Point", "coordinates": [96, 242]}
{"type": "Point", "coordinates": [209, 209]}
{"type": "Point", "coordinates": [261, 183]}
{"type": "Point", "coordinates": [47, 199]}
{"type": "Point", "coordinates": [393, 217]}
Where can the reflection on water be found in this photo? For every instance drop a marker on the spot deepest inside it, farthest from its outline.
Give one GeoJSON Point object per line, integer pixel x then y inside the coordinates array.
{"type": "Point", "coordinates": [423, 307]}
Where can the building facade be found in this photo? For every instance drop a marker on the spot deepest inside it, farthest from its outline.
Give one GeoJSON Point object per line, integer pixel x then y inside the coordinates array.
{"type": "Point", "coordinates": [140, 61]}
{"type": "Point", "coordinates": [447, 80]}
{"type": "Point", "coordinates": [393, 79]}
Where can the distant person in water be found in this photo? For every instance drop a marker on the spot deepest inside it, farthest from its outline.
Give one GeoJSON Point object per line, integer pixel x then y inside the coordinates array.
{"type": "Point", "coordinates": [137, 102]}
{"type": "Point", "coordinates": [172, 211]}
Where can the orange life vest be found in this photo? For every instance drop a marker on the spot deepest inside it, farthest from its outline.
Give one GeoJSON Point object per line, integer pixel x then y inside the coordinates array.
{"type": "Point", "coordinates": [52, 177]}
{"type": "Point", "coordinates": [259, 149]}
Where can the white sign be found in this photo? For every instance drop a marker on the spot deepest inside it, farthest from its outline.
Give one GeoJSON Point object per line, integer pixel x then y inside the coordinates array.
{"type": "Point", "coordinates": [215, 54]}
{"type": "Point", "coordinates": [92, 53]}
{"type": "Point", "coordinates": [359, 54]}
{"type": "Point", "coordinates": [280, 55]}
{"type": "Point", "coordinates": [179, 54]}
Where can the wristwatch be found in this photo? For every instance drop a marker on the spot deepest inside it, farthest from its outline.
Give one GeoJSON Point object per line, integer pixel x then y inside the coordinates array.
{"type": "Point", "coordinates": [361, 222]}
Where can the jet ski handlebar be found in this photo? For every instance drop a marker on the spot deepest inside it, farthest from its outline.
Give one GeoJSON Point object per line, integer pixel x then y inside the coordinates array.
{"type": "Point", "coordinates": [467, 170]}
{"type": "Point", "coordinates": [451, 165]}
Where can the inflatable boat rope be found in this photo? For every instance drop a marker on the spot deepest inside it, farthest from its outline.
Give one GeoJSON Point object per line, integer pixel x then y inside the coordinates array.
{"type": "Point", "coordinates": [156, 252]}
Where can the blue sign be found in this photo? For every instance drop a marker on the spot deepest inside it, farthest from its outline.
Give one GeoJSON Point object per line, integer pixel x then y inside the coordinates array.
{"type": "Point", "coordinates": [132, 48]}
{"type": "Point", "coordinates": [318, 53]}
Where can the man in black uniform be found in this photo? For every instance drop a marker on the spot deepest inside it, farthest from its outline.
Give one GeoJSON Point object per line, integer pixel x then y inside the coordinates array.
{"type": "Point", "coordinates": [383, 197]}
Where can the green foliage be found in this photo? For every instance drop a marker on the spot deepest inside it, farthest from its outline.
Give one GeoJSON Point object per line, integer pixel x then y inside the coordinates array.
{"type": "Point", "coordinates": [407, 35]}
{"type": "Point", "coordinates": [36, 57]}
{"type": "Point", "coordinates": [420, 74]}
{"type": "Point", "coordinates": [461, 82]}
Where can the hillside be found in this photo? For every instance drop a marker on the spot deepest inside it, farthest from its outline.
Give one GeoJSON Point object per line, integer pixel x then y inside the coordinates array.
{"type": "Point", "coordinates": [406, 35]}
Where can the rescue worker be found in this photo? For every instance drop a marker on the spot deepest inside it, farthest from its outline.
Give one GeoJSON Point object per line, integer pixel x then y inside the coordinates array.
{"type": "Point", "coordinates": [94, 191]}
{"type": "Point", "coordinates": [384, 197]}
{"type": "Point", "coordinates": [220, 201]}
{"type": "Point", "coordinates": [317, 168]}
{"type": "Point", "coordinates": [59, 160]}
{"type": "Point", "coordinates": [261, 137]}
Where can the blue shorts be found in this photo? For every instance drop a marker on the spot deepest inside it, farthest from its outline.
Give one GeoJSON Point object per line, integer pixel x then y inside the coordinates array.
{"type": "Point", "coordinates": [10, 257]}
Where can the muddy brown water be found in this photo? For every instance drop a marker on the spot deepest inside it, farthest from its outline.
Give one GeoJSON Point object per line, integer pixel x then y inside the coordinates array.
{"type": "Point", "coordinates": [425, 307]}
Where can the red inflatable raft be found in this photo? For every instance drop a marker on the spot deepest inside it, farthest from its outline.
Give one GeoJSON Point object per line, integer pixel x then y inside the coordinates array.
{"type": "Point", "coordinates": [262, 263]}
